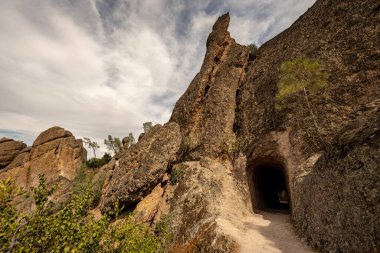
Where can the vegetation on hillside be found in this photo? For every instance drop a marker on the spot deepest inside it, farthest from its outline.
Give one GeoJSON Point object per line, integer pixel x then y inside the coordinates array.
{"type": "Point", "coordinates": [147, 126]}
{"type": "Point", "coordinates": [72, 228]}
{"type": "Point", "coordinates": [252, 51]}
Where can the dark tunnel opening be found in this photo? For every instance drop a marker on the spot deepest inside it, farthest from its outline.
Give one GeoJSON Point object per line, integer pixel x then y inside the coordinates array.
{"type": "Point", "coordinates": [269, 186]}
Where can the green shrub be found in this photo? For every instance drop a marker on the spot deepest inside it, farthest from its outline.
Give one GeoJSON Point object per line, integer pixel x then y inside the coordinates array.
{"type": "Point", "coordinates": [8, 214]}
{"type": "Point", "coordinates": [176, 175]}
{"type": "Point", "coordinates": [72, 229]}
{"type": "Point", "coordinates": [98, 162]}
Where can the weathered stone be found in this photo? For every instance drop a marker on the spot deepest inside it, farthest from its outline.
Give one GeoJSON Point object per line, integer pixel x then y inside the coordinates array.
{"type": "Point", "coordinates": [230, 130]}
{"type": "Point", "coordinates": [9, 149]}
{"type": "Point", "coordinates": [204, 200]}
{"type": "Point", "coordinates": [147, 208]}
{"type": "Point", "coordinates": [55, 153]}
{"type": "Point", "coordinates": [340, 210]}
{"type": "Point", "coordinates": [142, 167]}
{"type": "Point", "coordinates": [206, 111]}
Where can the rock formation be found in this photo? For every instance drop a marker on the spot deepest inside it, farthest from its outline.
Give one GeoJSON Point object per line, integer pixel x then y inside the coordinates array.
{"type": "Point", "coordinates": [142, 167]}
{"type": "Point", "coordinates": [9, 149]}
{"type": "Point", "coordinates": [229, 150]}
{"type": "Point", "coordinates": [232, 140]}
{"type": "Point", "coordinates": [55, 153]}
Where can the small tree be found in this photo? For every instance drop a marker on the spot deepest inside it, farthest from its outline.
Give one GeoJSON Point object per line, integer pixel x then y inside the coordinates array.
{"type": "Point", "coordinates": [131, 139]}
{"type": "Point", "coordinates": [128, 141]}
{"type": "Point", "coordinates": [113, 144]}
{"type": "Point", "coordinates": [147, 127]}
{"type": "Point", "coordinates": [303, 77]}
{"type": "Point", "coordinates": [252, 50]}
{"type": "Point", "coordinates": [91, 144]}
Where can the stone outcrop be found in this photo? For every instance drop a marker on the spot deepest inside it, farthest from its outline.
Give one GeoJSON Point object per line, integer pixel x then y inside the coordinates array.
{"type": "Point", "coordinates": [9, 149]}
{"type": "Point", "coordinates": [343, 38]}
{"type": "Point", "coordinates": [55, 153]}
{"type": "Point", "coordinates": [142, 167]}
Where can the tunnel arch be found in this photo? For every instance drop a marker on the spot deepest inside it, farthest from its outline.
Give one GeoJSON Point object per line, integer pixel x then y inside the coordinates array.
{"type": "Point", "coordinates": [269, 185]}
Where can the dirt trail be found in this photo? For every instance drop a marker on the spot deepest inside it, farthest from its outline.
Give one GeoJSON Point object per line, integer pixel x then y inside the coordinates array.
{"type": "Point", "coordinates": [267, 233]}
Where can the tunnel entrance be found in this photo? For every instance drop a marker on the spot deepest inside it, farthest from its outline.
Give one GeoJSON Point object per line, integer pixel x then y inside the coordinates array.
{"type": "Point", "coordinates": [269, 188]}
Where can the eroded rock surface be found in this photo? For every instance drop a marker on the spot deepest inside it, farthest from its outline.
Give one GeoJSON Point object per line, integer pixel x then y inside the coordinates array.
{"type": "Point", "coordinates": [55, 153]}
{"type": "Point", "coordinates": [9, 149]}
{"type": "Point", "coordinates": [142, 167]}
{"type": "Point", "coordinates": [340, 210]}
{"type": "Point", "coordinates": [206, 111]}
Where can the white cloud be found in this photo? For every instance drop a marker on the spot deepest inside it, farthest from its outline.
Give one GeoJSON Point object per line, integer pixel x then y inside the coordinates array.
{"type": "Point", "coordinates": [104, 67]}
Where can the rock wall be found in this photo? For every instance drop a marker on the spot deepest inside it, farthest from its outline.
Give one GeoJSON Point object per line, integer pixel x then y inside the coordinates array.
{"type": "Point", "coordinates": [142, 167]}
{"type": "Point", "coordinates": [340, 210]}
{"type": "Point", "coordinates": [206, 111]}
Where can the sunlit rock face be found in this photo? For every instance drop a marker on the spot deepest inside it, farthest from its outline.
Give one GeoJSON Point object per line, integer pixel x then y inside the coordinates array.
{"type": "Point", "coordinates": [55, 153]}
{"type": "Point", "coordinates": [9, 149]}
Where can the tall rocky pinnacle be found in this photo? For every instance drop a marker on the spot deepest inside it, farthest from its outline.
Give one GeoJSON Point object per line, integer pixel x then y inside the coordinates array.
{"type": "Point", "coordinates": [206, 112]}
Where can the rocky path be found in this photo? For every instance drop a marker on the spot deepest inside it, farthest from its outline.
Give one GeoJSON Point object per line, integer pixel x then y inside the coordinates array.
{"type": "Point", "coordinates": [268, 233]}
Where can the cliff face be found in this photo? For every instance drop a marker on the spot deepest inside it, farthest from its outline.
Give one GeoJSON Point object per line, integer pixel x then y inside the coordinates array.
{"type": "Point", "coordinates": [233, 138]}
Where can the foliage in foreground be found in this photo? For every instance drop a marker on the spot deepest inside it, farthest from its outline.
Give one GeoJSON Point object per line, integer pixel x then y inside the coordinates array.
{"type": "Point", "coordinates": [72, 229]}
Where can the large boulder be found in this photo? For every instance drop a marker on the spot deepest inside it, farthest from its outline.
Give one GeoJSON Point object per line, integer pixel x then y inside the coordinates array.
{"type": "Point", "coordinates": [55, 153]}
{"type": "Point", "coordinates": [142, 167]}
{"type": "Point", "coordinates": [9, 149]}
{"type": "Point", "coordinates": [206, 206]}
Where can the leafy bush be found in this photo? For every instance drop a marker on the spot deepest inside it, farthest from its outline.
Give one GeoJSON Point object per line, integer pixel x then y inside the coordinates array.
{"type": "Point", "coordinates": [147, 126]}
{"type": "Point", "coordinates": [8, 214]}
{"type": "Point", "coordinates": [72, 229]}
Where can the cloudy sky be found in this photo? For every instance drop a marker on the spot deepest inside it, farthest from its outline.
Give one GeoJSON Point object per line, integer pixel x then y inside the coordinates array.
{"type": "Point", "coordinates": [99, 67]}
